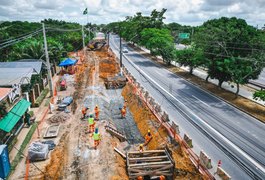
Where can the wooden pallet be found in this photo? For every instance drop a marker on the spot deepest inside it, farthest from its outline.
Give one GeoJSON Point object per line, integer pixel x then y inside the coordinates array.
{"type": "Point", "coordinates": [150, 163]}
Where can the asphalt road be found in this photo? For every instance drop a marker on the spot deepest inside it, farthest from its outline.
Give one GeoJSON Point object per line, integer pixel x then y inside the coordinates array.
{"type": "Point", "coordinates": [219, 129]}
{"type": "Point", "coordinates": [261, 78]}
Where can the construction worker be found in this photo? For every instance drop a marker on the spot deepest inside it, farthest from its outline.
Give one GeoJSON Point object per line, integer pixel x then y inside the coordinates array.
{"type": "Point", "coordinates": [148, 137]}
{"type": "Point", "coordinates": [84, 111]}
{"type": "Point", "coordinates": [125, 104]}
{"type": "Point", "coordinates": [96, 137]}
{"type": "Point", "coordinates": [123, 112]}
{"type": "Point", "coordinates": [91, 123]}
{"type": "Point", "coordinates": [141, 148]}
{"type": "Point", "coordinates": [140, 178]}
{"type": "Point", "coordinates": [162, 177]}
{"type": "Point", "coordinates": [96, 112]}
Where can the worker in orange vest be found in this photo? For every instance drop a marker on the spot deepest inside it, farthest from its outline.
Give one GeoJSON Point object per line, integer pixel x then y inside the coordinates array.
{"type": "Point", "coordinates": [123, 112]}
{"type": "Point", "coordinates": [162, 177]}
{"type": "Point", "coordinates": [141, 148]}
{"type": "Point", "coordinates": [96, 112]}
{"type": "Point", "coordinates": [148, 137]}
{"type": "Point", "coordinates": [84, 111]}
{"type": "Point", "coordinates": [96, 137]}
{"type": "Point", "coordinates": [140, 178]}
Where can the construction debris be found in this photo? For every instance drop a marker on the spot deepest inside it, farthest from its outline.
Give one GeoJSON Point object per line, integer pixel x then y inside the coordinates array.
{"type": "Point", "coordinates": [115, 133]}
{"type": "Point", "coordinates": [115, 82]}
{"type": "Point", "coordinates": [52, 131]}
{"type": "Point", "coordinates": [59, 118]}
{"type": "Point", "coordinates": [152, 163]}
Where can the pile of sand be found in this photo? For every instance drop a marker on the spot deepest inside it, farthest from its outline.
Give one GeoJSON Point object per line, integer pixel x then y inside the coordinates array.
{"type": "Point", "coordinates": [59, 118]}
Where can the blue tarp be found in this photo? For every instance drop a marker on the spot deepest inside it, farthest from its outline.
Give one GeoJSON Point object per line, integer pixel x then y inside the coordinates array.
{"type": "Point", "coordinates": [68, 62]}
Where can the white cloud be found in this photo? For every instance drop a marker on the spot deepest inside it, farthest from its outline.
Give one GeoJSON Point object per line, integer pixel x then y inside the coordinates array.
{"type": "Point", "coordinates": [192, 12]}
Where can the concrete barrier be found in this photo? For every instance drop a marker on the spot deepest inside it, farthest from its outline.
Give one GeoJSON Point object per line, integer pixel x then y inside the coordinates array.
{"type": "Point", "coordinates": [188, 140]}
{"type": "Point", "coordinates": [205, 160]}
{"type": "Point", "coordinates": [158, 108]}
{"type": "Point", "coordinates": [222, 174]}
{"type": "Point", "coordinates": [165, 117]}
{"type": "Point", "coordinates": [175, 128]}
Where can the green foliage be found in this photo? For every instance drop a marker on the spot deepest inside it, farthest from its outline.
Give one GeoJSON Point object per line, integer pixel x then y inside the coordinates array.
{"type": "Point", "coordinates": [233, 49]}
{"type": "Point", "coordinates": [41, 97]}
{"type": "Point", "coordinates": [159, 42]}
{"type": "Point", "coordinates": [191, 56]}
{"type": "Point", "coordinates": [33, 48]}
{"type": "Point", "coordinates": [31, 113]}
{"type": "Point", "coordinates": [259, 95]}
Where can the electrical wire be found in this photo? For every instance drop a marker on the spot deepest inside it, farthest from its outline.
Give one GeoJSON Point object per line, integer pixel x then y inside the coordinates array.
{"type": "Point", "coordinates": [12, 42]}
{"type": "Point", "coordinates": [19, 37]}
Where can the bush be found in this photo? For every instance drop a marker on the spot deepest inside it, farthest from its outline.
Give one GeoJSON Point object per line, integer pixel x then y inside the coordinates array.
{"type": "Point", "coordinates": [41, 97]}
{"type": "Point", "coordinates": [31, 113]}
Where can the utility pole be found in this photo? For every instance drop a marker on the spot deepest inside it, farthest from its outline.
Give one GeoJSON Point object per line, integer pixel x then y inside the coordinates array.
{"type": "Point", "coordinates": [47, 61]}
{"type": "Point", "coordinates": [83, 37]}
{"type": "Point", "coordinates": [120, 49]}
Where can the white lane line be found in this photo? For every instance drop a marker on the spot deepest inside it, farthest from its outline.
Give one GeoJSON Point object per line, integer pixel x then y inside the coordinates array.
{"type": "Point", "coordinates": [253, 161]}
{"type": "Point", "coordinates": [200, 101]}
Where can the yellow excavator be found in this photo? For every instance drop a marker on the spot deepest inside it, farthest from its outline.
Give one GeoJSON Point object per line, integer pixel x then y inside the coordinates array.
{"type": "Point", "coordinates": [96, 45]}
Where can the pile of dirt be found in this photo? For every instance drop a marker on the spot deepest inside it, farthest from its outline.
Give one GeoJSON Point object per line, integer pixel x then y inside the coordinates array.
{"type": "Point", "coordinates": [59, 118]}
{"type": "Point", "coordinates": [108, 66]}
{"type": "Point", "coordinates": [54, 169]}
{"type": "Point", "coordinates": [145, 120]}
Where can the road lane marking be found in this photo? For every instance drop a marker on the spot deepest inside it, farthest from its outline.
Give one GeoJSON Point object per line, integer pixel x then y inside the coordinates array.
{"type": "Point", "coordinates": [201, 101]}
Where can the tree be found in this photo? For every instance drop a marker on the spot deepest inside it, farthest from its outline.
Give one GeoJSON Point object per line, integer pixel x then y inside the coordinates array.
{"type": "Point", "coordinates": [226, 43]}
{"type": "Point", "coordinates": [191, 56]}
{"type": "Point", "coordinates": [159, 42]}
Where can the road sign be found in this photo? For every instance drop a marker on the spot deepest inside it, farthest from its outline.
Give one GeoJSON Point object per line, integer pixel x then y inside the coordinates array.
{"type": "Point", "coordinates": [184, 35]}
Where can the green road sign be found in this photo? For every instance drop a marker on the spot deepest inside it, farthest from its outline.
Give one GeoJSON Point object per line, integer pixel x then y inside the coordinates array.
{"type": "Point", "coordinates": [184, 35]}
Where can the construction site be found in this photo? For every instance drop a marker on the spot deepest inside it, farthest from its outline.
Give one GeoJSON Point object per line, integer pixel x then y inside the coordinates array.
{"type": "Point", "coordinates": [134, 143]}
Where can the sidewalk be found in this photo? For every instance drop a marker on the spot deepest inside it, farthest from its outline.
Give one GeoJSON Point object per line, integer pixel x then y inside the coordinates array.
{"type": "Point", "coordinates": [244, 91]}
{"type": "Point", "coordinates": [39, 113]}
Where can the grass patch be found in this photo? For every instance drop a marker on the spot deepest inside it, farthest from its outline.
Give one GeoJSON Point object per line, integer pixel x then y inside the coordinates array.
{"type": "Point", "coordinates": [19, 156]}
{"type": "Point", "coordinates": [41, 97]}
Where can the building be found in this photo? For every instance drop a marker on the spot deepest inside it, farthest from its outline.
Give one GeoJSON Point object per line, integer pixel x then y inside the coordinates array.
{"type": "Point", "coordinates": [12, 115]}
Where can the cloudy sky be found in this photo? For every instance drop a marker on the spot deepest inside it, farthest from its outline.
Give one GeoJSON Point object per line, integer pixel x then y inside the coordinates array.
{"type": "Point", "coordinates": [189, 12]}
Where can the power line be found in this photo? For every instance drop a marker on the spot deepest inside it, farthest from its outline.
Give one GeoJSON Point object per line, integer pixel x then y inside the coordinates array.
{"type": "Point", "coordinates": [12, 42]}
{"type": "Point", "coordinates": [18, 37]}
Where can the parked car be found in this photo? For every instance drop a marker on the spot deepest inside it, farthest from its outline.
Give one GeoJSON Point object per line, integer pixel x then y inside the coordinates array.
{"type": "Point", "coordinates": [65, 102]}
{"type": "Point", "coordinates": [125, 50]}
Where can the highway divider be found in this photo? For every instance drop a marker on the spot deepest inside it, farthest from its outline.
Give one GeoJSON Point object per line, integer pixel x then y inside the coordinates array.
{"type": "Point", "coordinates": [205, 160]}
{"type": "Point", "coordinates": [222, 174]}
{"type": "Point", "coordinates": [188, 140]}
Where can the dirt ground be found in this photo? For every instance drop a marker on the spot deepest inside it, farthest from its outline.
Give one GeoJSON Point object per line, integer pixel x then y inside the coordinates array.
{"type": "Point", "coordinates": [250, 107]}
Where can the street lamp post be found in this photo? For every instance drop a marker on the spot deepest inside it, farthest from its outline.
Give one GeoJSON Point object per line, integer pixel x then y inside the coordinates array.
{"type": "Point", "coordinates": [120, 49]}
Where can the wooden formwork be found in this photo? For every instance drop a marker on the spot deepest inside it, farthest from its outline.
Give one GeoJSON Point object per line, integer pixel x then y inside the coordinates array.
{"type": "Point", "coordinates": [150, 163]}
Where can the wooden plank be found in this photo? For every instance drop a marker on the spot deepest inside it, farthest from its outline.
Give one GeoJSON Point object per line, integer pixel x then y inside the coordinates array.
{"type": "Point", "coordinates": [158, 167]}
{"type": "Point", "coordinates": [116, 133]}
{"type": "Point", "coordinates": [149, 151]}
{"type": "Point", "coordinates": [118, 151]}
{"type": "Point", "coordinates": [149, 164]}
{"type": "Point", "coordinates": [135, 175]}
{"type": "Point", "coordinates": [147, 158]}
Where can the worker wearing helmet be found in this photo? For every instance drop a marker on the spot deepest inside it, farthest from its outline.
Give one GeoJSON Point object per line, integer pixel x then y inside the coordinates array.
{"type": "Point", "coordinates": [123, 112]}
{"type": "Point", "coordinates": [148, 137]}
{"type": "Point", "coordinates": [84, 111]}
{"type": "Point", "coordinates": [96, 112]}
{"type": "Point", "coordinates": [96, 137]}
{"type": "Point", "coordinates": [141, 148]}
{"type": "Point", "coordinates": [91, 123]}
